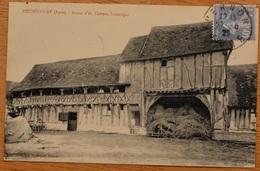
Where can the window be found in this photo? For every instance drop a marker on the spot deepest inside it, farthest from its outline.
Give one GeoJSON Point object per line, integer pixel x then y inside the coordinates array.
{"type": "Point", "coordinates": [167, 73]}
{"type": "Point", "coordinates": [164, 63]}
{"type": "Point", "coordinates": [63, 116]}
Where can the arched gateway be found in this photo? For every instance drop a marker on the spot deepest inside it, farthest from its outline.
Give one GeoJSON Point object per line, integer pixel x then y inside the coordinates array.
{"type": "Point", "coordinates": [178, 102]}
{"type": "Point", "coordinates": [211, 104]}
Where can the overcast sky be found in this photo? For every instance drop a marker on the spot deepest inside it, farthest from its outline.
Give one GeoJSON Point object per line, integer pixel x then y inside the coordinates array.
{"type": "Point", "coordinates": [37, 34]}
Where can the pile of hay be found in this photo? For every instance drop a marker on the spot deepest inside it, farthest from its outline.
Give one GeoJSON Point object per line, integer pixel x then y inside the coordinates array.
{"type": "Point", "coordinates": [17, 130]}
{"type": "Point", "coordinates": [182, 122]}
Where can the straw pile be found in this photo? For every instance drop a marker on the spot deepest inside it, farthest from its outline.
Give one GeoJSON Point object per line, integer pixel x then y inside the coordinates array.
{"type": "Point", "coordinates": [182, 122]}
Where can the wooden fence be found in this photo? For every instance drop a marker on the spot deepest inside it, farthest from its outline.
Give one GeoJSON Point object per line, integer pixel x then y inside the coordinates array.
{"type": "Point", "coordinates": [242, 118]}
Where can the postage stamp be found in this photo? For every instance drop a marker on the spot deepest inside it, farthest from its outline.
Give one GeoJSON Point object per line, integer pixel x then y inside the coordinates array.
{"type": "Point", "coordinates": [234, 22]}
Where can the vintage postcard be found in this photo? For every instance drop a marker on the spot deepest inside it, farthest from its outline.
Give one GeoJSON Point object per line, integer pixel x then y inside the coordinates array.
{"type": "Point", "coordinates": [132, 84]}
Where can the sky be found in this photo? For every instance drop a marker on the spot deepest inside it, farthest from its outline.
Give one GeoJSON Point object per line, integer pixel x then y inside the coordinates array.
{"type": "Point", "coordinates": [49, 32]}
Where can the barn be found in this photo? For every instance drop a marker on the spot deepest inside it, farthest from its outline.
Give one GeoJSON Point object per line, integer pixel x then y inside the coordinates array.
{"type": "Point", "coordinates": [172, 66]}
{"type": "Point", "coordinates": [69, 94]}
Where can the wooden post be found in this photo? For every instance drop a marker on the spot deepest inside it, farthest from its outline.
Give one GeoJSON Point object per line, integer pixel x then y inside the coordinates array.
{"type": "Point", "coordinates": [211, 75]}
{"type": "Point", "coordinates": [56, 116]}
{"type": "Point", "coordinates": [244, 118]}
{"type": "Point", "coordinates": [241, 119]}
{"type": "Point", "coordinates": [41, 92]}
{"type": "Point", "coordinates": [48, 114]}
{"type": "Point", "coordinates": [216, 109]}
{"type": "Point", "coordinates": [113, 113]}
{"type": "Point", "coordinates": [99, 115]}
{"type": "Point", "coordinates": [31, 110]}
{"type": "Point", "coordinates": [212, 112]}
{"type": "Point", "coordinates": [225, 111]}
{"type": "Point", "coordinates": [143, 114]}
{"type": "Point", "coordinates": [21, 111]}
{"type": "Point", "coordinates": [111, 89]}
{"type": "Point", "coordinates": [117, 116]}
{"type": "Point", "coordinates": [237, 116]}
{"type": "Point", "coordinates": [43, 114]}
{"type": "Point", "coordinates": [95, 114]}
{"type": "Point", "coordinates": [247, 119]}
{"type": "Point", "coordinates": [85, 89]}
{"type": "Point", "coordinates": [252, 121]}
{"type": "Point", "coordinates": [233, 120]}
{"type": "Point", "coordinates": [62, 91]}
{"type": "Point", "coordinates": [35, 114]}
{"type": "Point", "coordinates": [110, 108]}
{"type": "Point", "coordinates": [89, 114]}
{"type": "Point", "coordinates": [127, 115]}
{"type": "Point", "coordinates": [122, 118]}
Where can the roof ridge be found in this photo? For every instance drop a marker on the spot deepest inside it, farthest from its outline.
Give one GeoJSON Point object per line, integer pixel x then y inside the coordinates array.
{"type": "Point", "coordinates": [172, 41]}
{"type": "Point", "coordinates": [72, 73]}
{"type": "Point", "coordinates": [86, 58]}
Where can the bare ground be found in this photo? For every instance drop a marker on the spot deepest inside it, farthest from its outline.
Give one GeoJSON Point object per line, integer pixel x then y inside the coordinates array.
{"type": "Point", "coordinates": [90, 147]}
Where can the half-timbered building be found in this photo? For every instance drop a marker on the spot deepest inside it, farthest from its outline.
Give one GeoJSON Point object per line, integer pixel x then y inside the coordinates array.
{"type": "Point", "coordinates": [82, 93]}
{"type": "Point", "coordinates": [175, 64]}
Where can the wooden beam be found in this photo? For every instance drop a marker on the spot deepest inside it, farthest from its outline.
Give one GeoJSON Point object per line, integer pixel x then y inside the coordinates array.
{"type": "Point", "coordinates": [62, 91]}
{"type": "Point", "coordinates": [41, 92]}
{"type": "Point", "coordinates": [85, 89]}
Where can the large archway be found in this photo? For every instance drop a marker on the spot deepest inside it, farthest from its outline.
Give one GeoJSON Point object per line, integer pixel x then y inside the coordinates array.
{"type": "Point", "coordinates": [187, 115]}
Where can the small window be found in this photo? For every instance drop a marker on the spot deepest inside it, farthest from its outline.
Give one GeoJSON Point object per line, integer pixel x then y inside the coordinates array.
{"type": "Point", "coordinates": [164, 63]}
{"type": "Point", "coordinates": [63, 116]}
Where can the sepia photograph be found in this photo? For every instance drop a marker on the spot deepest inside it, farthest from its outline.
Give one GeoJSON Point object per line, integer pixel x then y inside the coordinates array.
{"type": "Point", "coordinates": [132, 84]}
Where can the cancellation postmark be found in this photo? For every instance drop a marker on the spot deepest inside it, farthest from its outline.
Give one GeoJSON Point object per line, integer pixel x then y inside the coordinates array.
{"type": "Point", "coordinates": [233, 22]}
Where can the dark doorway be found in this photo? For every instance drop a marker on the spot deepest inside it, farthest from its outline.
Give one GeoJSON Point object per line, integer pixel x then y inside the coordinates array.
{"type": "Point", "coordinates": [72, 121]}
{"type": "Point", "coordinates": [136, 115]}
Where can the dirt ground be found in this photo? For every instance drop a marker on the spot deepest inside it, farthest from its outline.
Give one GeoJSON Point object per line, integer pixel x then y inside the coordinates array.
{"type": "Point", "coordinates": [90, 147]}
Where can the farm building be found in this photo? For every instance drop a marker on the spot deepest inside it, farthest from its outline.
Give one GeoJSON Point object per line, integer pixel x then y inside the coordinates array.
{"type": "Point", "coordinates": [172, 66]}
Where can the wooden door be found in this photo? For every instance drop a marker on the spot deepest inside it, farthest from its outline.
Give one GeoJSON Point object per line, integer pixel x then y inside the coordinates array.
{"type": "Point", "coordinates": [72, 121]}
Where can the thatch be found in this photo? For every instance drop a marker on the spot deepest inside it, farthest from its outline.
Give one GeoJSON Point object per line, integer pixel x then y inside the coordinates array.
{"type": "Point", "coordinates": [99, 71]}
{"type": "Point", "coordinates": [171, 41]}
